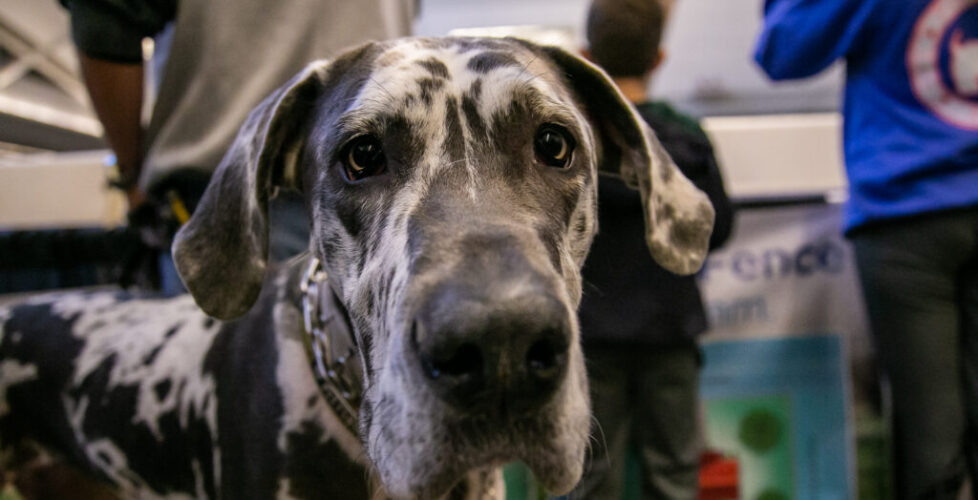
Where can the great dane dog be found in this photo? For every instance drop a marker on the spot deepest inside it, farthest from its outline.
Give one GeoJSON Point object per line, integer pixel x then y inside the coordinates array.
{"type": "Point", "coordinates": [451, 185]}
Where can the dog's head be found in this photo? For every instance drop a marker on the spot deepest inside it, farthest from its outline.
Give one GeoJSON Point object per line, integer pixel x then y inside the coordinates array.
{"type": "Point", "coordinates": [452, 188]}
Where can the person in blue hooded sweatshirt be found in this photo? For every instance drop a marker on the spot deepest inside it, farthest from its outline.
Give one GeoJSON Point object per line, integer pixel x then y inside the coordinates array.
{"type": "Point", "coordinates": [911, 153]}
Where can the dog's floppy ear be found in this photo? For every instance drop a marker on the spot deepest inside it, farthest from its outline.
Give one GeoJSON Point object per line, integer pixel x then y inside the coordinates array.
{"type": "Point", "coordinates": [222, 251]}
{"type": "Point", "coordinates": [678, 216]}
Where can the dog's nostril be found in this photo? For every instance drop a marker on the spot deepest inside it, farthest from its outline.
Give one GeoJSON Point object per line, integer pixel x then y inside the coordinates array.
{"type": "Point", "coordinates": [465, 360]}
{"type": "Point", "coordinates": [545, 358]}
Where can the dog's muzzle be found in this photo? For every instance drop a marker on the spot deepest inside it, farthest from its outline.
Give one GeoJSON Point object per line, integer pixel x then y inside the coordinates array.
{"type": "Point", "coordinates": [507, 356]}
{"type": "Point", "coordinates": [492, 337]}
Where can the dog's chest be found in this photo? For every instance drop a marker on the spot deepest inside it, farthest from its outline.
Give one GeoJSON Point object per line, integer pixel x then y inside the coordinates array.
{"type": "Point", "coordinates": [119, 385]}
{"type": "Point", "coordinates": [164, 401]}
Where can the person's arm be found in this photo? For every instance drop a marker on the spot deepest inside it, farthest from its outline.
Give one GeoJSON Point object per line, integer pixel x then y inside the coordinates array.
{"type": "Point", "coordinates": [116, 90]}
{"type": "Point", "coordinates": [802, 37]}
{"type": "Point", "coordinates": [108, 35]}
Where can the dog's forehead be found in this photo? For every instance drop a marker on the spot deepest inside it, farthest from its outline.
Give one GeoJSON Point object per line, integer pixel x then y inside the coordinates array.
{"type": "Point", "coordinates": [412, 76]}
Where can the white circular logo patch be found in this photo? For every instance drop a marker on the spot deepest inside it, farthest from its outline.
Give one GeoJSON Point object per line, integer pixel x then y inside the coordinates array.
{"type": "Point", "coordinates": [942, 60]}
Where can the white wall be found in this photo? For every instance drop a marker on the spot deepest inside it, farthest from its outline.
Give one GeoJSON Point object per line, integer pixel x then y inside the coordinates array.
{"type": "Point", "coordinates": [55, 190]}
{"type": "Point", "coordinates": [779, 155]}
{"type": "Point", "coordinates": [438, 17]}
{"type": "Point", "coordinates": [709, 68]}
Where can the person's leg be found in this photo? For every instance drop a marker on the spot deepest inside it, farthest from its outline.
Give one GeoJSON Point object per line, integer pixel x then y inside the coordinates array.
{"type": "Point", "coordinates": [909, 272]}
{"type": "Point", "coordinates": [605, 466]}
{"type": "Point", "coordinates": [969, 330]}
{"type": "Point", "coordinates": [666, 424]}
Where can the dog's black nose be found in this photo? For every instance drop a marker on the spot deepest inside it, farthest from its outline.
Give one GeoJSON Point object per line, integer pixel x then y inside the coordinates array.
{"type": "Point", "coordinates": [478, 354]}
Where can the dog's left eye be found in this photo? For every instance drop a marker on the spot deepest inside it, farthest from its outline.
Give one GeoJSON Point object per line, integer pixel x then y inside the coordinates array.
{"type": "Point", "coordinates": [363, 157]}
{"type": "Point", "coordinates": [553, 146]}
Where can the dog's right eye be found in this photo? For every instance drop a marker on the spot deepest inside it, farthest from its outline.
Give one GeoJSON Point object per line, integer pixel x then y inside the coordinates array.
{"type": "Point", "coordinates": [553, 146]}
{"type": "Point", "coordinates": [363, 157]}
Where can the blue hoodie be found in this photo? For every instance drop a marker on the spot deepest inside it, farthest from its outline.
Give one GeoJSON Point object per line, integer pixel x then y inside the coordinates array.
{"type": "Point", "coordinates": [911, 103]}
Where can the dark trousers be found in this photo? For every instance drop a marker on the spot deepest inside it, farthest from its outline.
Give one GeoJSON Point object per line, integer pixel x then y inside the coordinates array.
{"type": "Point", "coordinates": [920, 281]}
{"type": "Point", "coordinates": [645, 398]}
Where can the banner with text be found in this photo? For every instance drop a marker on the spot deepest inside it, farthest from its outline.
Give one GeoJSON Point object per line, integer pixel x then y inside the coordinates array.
{"type": "Point", "coordinates": [790, 393]}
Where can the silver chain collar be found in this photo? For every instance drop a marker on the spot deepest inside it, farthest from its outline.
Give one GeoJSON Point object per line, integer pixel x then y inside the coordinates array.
{"type": "Point", "coordinates": [333, 358]}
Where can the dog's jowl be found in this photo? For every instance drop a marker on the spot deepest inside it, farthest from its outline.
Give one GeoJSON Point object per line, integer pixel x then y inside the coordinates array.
{"type": "Point", "coordinates": [452, 189]}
